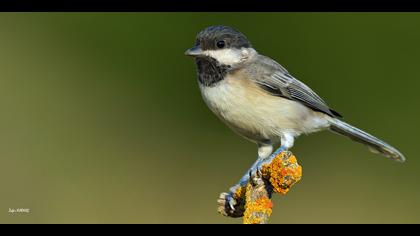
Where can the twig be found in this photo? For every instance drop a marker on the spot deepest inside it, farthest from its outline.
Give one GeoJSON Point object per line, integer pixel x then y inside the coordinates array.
{"type": "Point", "coordinates": [254, 202]}
{"type": "Point", "coordinates": [258, 205]}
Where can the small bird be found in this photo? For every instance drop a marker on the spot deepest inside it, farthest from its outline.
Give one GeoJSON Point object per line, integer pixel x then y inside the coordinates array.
{"type": "Point", "coordinates": [260, 100]}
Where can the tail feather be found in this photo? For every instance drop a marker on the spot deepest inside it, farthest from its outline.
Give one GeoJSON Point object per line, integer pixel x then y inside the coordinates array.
{"type": "Point", "coordinates": [375, 145]}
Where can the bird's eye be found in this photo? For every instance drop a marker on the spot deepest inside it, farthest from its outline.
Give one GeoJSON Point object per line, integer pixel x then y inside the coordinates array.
{"type": "Point", "coordinates": [220, 44]}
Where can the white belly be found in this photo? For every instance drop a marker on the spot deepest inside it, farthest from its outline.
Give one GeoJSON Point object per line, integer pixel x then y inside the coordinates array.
{"type": "Point", "coordinates": [257, 115]}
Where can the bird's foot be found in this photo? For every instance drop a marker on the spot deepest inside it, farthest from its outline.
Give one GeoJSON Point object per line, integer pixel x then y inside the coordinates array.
{"type": "Point", "coordinates": [256, 170]}
{"type": "Point", "coordinates": [232, 204]}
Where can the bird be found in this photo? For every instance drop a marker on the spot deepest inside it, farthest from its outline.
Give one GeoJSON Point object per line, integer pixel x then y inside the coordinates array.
{"type": "Point", "coordinates": [260, 100]}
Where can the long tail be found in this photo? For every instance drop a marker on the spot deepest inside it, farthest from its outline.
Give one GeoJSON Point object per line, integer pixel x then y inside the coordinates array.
{"type": "Point", "coordinates": [375, 145]}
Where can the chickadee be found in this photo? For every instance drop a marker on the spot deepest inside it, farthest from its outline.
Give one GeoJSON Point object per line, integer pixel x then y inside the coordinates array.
{"type": "Point", "coordinates": [260, 100]}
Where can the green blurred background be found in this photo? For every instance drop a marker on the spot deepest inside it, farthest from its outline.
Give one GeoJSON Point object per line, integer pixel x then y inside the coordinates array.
{"type": "Point", "coordinates": [102, 120]}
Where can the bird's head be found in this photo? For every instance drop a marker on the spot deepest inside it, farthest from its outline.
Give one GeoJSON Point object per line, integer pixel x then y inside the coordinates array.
{"type": "Point", "coordinates": [224, 44]}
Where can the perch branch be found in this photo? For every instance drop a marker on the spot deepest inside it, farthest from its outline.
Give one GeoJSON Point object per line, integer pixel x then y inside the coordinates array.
{"type": "Point", "coordinates": [254, 200]}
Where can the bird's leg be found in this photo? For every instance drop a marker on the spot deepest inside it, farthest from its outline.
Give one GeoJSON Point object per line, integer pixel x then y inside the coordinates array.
{"type": "Point", "coordinates": [260, 162]}
{"type": "Point", "coordinates": [264, 152]}
{"type": "Point", "coordinates": [233, 203]}
{"type": "Point", "coordinates": [287, 141]}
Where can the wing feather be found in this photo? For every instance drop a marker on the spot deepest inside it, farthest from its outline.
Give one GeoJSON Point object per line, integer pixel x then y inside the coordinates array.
{"type": "Point", "coordinates": [281, 83]}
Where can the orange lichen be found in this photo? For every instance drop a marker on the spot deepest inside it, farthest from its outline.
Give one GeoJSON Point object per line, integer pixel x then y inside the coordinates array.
{"type": "Point", "coordinates": [283, 172]}
{"type": "Point", "coordinates": [279, 175]}
{"type": "Point", "coordinates": [256, 211]}
{"type": "Point", "coordinates": [240, 192]}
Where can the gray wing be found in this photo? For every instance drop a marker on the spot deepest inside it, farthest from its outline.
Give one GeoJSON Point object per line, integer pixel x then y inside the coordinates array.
{"type": "Point", "coordinates": [279, 82]}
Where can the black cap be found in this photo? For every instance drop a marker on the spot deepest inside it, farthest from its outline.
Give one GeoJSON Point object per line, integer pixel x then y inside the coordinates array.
{"type": "Point", "coordinates": [210, 36]}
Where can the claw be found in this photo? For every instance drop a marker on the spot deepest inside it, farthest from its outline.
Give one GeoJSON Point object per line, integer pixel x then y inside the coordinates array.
{"type": "Point", "coordinates": [253, 174]}
{"type": "Point", "coordinates": [227, 198]}
{"type": "Point", "coordinates": [232, 202]}
{"type": "Point", "coordinates": [259, 172]}
{"type": "Point", "coordinates": [230, 206]}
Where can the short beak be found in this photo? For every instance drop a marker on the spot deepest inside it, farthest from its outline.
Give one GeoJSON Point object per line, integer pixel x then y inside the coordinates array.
{"type": "Point", "coordinates": [194, 52]}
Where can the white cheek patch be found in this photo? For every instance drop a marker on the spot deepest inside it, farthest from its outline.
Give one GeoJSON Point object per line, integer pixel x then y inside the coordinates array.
{"type": "Point", "coordinates": [226, 56]}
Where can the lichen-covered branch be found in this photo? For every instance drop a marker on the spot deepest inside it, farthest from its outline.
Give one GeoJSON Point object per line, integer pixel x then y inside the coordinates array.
{"type": "Point", "coordinates": [254, 201]}
{"type": "Point", "coordinates": [258, 205]}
